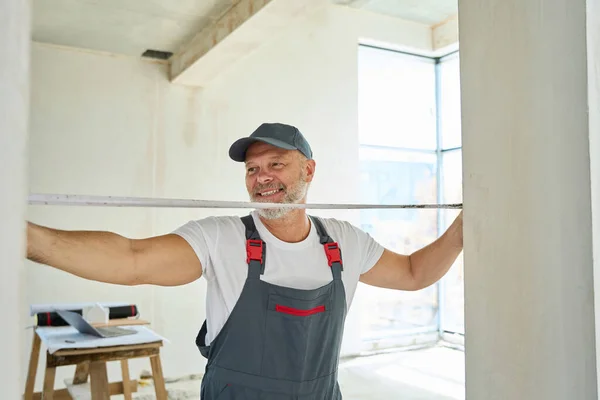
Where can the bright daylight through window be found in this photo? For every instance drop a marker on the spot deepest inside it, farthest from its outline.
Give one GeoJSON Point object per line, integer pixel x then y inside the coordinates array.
{"type": "Point", "coordinates": [410, 153]}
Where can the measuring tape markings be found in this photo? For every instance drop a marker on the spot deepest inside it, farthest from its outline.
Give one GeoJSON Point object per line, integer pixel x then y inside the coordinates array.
{"type": "Point", "coordinates": [114, 201]}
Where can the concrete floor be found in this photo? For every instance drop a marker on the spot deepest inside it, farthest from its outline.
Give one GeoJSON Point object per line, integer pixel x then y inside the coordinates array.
{"type": "Point", "coordinates": [428, 374]}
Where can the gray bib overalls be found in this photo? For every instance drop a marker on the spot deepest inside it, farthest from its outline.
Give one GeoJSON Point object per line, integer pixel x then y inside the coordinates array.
{"type": "Point", "coordinates": [279, 343]}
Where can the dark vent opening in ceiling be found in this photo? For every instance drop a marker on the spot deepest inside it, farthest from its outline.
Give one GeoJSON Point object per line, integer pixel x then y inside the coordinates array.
{"type": "Point", "coordinates": [157, 54]}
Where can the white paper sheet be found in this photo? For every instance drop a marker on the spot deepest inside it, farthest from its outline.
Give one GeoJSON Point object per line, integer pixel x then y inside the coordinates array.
{"type": "Point", "coordinates": [67, 337]}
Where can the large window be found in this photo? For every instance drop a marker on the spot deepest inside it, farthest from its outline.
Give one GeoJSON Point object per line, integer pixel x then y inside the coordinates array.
{"type": "Point", "coordinates": [409, 127]}
{"type": "Point", "coordinates": [396, 100]}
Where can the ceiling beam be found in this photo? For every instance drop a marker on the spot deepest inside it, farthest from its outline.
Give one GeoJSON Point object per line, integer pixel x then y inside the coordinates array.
{"type": "Point", "coordinates": [247, 25]}
{"type": "Point", "coordinates": [445, 33]}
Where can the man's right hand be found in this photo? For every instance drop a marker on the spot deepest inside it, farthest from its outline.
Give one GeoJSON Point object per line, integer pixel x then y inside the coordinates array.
{"type": "Point", "coordinates": [166, 260]}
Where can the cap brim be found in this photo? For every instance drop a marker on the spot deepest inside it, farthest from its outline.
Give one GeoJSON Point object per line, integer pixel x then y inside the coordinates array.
{"type": "Point", "coordinates": [237, 151]}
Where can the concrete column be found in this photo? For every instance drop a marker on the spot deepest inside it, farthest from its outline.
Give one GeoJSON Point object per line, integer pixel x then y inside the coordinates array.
{"type": "Point", "coordinates": [14, 105]}
{"type": "Point", "coordinates": [593, 46]}
{"type": "Point", "coordinates": [527, 199]}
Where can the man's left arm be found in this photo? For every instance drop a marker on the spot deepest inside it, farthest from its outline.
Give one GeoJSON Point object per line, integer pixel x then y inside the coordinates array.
{"type": "Point", "coordinates": [421, 268]}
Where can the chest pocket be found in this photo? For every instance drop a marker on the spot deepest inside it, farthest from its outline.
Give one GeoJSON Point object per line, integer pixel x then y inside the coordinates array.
{"type": "Point", "coordinates": [301, 335]}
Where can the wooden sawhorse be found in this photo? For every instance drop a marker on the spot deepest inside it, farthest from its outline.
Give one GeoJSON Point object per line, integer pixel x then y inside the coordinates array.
{"type": "Point", "coordinates": [92, 362]}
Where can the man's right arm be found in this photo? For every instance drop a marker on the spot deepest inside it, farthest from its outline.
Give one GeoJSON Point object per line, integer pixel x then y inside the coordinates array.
{"type": "Point", "coordinates": [166, 260]}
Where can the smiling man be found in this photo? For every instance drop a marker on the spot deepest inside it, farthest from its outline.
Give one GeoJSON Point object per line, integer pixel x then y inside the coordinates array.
{"type": "Point", "coordinates": [280, 282]}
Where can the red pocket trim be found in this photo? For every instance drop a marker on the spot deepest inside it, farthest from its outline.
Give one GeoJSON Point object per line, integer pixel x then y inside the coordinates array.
{"type": "Point", "coordinates": [300, 313]}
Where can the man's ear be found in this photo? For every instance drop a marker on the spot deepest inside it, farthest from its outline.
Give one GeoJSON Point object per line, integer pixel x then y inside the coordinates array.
{"type": "Point", "coordinates": [309, 169]}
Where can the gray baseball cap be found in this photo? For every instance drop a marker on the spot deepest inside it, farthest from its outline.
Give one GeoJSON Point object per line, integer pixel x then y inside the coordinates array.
{"type": "Point", "coordinates": [276, 134]}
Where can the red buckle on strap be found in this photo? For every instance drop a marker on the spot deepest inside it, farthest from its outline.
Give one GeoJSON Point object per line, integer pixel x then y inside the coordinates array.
{"type": "Point", "coordinates": [332, 251]}
{"type": "Point", "coordinates": [254, 250]}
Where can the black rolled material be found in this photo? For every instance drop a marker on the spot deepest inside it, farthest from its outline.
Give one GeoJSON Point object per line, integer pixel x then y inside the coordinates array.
{"type": "Point", "coordinates": [122, 312]}
{"type": "Point", "coordinates": [53, 319]}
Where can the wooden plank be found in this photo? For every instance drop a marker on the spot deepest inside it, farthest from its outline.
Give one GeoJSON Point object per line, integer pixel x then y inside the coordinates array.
{"type": "Point", "coordinates": [125, 374]}
{"type": "Point", "coordinates": [49, 377]}
{"type": "Point", "coordinates": [69, 352]}
{"type": "Point", "coordinates": [33, 365]}
{"type": "Point", "coordinates": [59, 361]}
{"type": "Point", "coordinates": [60, 394]}
{"type": "Point", "coordinates": [121, 322]}
{"type": "Point", "coordinates": [99, 381]}
{"type": "Point", "coordinates": [119, 387]}
{"type": "Point", "coordinates": [157, 376]}
{"type": "Point", "coordinates": [81, 373]}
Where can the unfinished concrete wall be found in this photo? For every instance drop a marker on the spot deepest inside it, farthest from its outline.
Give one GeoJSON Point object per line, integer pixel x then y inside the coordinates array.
{"type": "Point", "coordinates": [98, 126]}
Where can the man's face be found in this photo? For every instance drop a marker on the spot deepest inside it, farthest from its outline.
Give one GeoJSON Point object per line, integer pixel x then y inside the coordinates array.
{"type": "Point", "coordinates": [275, 175]}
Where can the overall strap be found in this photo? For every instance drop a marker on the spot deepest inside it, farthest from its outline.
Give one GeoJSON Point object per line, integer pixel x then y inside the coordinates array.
{"type": "Point", "coordinates": [332, 249]}
{"type": "Point", "coordinates": [255, 249]}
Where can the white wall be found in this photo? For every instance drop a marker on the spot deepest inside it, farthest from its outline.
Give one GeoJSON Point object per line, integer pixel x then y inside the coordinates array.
{"type": "Point", "coordinates": [109, 125]}
{"type": "Point", "coordinates": [99, 125]}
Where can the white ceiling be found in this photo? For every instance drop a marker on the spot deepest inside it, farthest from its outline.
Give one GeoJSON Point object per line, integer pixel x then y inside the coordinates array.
{"type": "Point", "coordinates": [133, 26]}
{"type": "Point", "coordinates": [123, 26]}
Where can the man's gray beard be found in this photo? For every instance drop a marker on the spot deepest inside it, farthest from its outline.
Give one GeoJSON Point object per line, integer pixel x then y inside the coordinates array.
{"type": "Point", "coordinates": [292, 197]}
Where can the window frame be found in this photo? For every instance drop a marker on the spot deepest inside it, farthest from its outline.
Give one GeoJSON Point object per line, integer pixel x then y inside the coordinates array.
{"type": "Point", "coordinates": [443, 333]}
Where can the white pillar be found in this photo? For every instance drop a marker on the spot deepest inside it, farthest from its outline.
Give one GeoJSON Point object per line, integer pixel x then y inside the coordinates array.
{"type": "Point", "coordinates": [527, 199]}
{"type": "Point", "coordinates": [14, 105]}
{"type": "Point", "coordinates": [593, 45]}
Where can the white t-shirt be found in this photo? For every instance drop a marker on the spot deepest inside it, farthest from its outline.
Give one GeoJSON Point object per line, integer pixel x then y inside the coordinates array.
{"type": "Point", "coordinates": [220, 244]}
